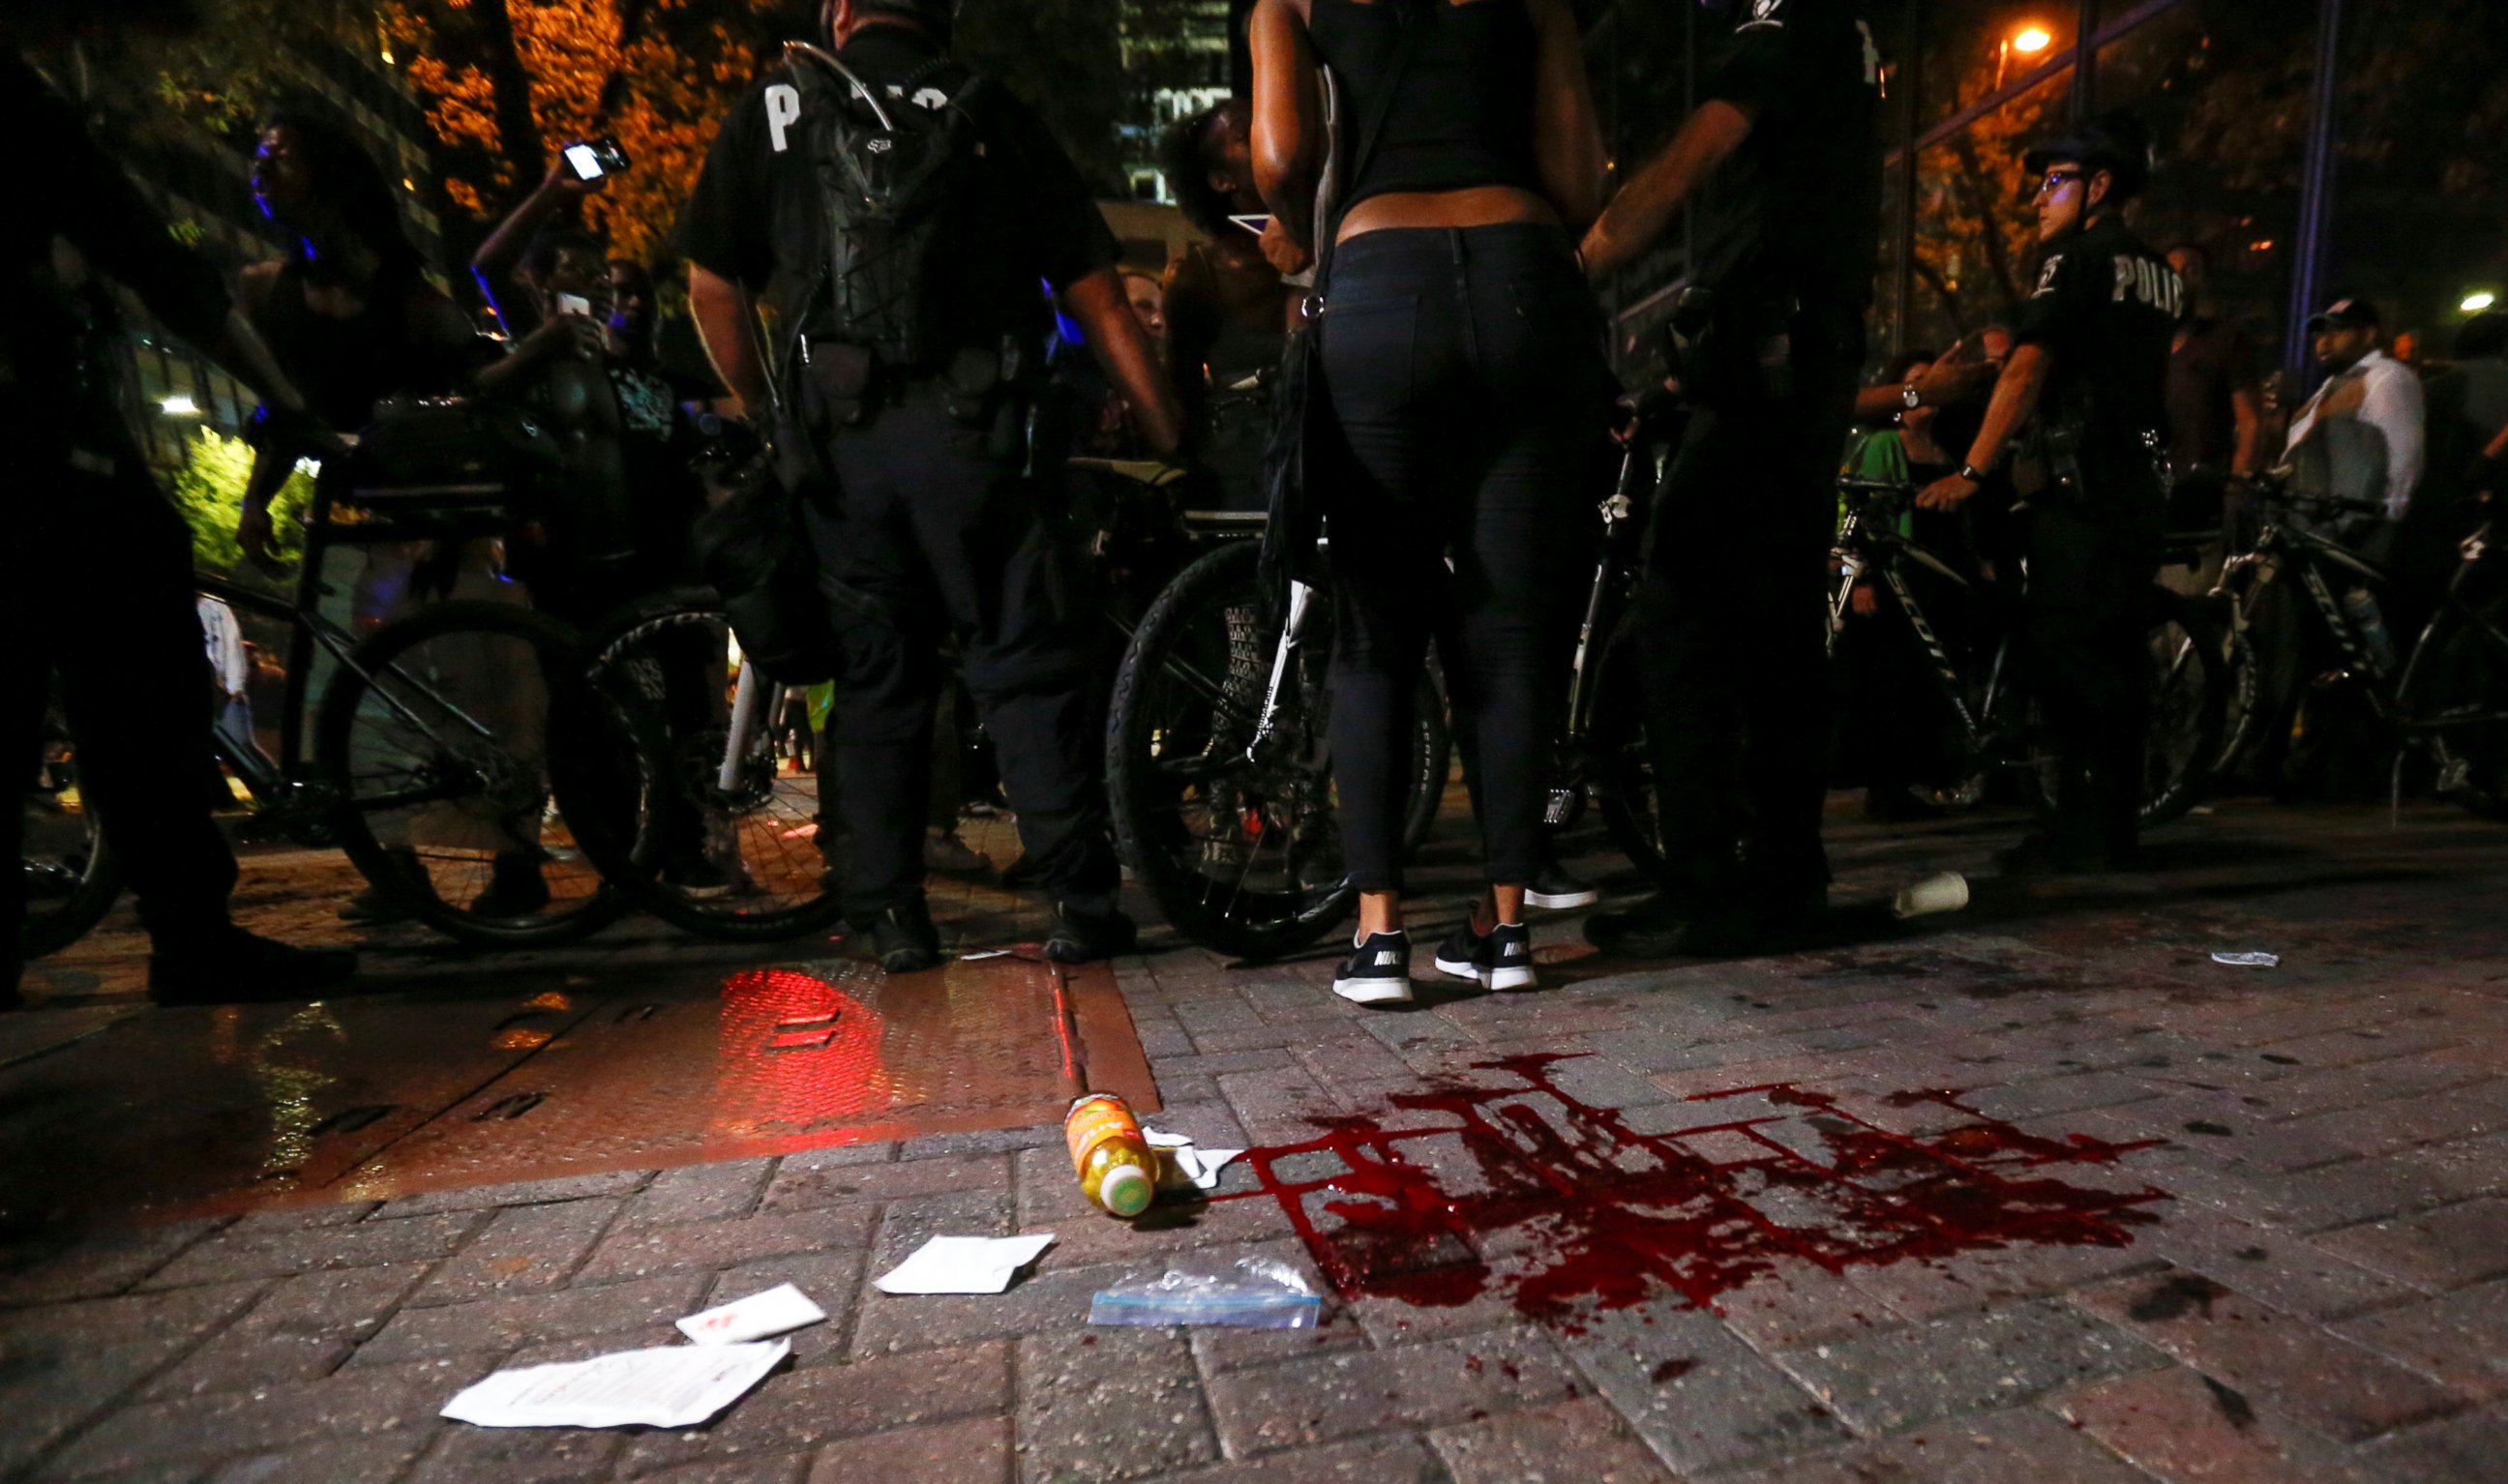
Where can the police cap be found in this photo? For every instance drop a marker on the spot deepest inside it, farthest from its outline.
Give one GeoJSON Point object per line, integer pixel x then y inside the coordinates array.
{"type": "Point", "coordinates": [2119, 143]}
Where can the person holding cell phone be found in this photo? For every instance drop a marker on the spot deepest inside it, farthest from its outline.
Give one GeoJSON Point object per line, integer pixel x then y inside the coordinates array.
{"type": "Point", "coordinates": [1229, 310]}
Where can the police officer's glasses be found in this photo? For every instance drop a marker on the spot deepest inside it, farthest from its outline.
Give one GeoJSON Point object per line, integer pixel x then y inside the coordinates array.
{"type": "Point", "coordinates": [2057, 180]}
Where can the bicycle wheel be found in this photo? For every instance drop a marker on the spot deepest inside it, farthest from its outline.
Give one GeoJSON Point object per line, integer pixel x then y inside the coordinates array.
{"type": "Point", "coordinates": [1243, 854]}
{"type": "Point", "coordinates": [70, 874]}
{"type": "Point", "coordinates": [2189, 709]}
{"type": "Point", "coordinates": [480, 782]}
{"type": "Point", "coordinates": [1623, 772]}
{"type": "Point", "coordinates": [735, 861]}
{"type": "Point", "coordinates": [2242, 720]}
{"type": "Point", "coordinates": [2467, 712]}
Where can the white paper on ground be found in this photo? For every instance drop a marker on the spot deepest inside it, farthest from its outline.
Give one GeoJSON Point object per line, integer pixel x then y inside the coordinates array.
{"type": "Point", "coordinates": [1182, 1163]}
{"type": "Point", "coordinates": [990, 953]}
{"type": "Point", "coordinates": [753, 1318]}
{"type": "Point", "coordinates": [2248, 960]}
{"type": "Point", "coordinates": [677, 1386]}
{"type": "Point", "coordinates": [963, 1264]}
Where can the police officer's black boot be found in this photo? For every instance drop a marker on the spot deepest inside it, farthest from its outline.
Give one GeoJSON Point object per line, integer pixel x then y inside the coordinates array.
{"type": "Point", "coordinates": [2071, 841]}
{"type": "Point", "coordinates": [218, 964]}
{"type": "Point", "coordinates": [902, 938]}
{"type": "Point", "coordinates": [1087, 930]}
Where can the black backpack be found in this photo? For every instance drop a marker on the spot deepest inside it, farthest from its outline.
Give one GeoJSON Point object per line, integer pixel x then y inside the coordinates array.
{"type": "Point", "coordinates": [897, 163]}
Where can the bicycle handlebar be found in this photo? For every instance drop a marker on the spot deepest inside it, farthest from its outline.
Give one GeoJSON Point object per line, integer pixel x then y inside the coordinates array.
{"type": "Point", "coordinates": [2273, 485]}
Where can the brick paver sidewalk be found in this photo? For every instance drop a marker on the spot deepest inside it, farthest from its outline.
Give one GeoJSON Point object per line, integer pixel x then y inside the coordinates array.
{"type": "Point", "coordinates": [2321, 1295]}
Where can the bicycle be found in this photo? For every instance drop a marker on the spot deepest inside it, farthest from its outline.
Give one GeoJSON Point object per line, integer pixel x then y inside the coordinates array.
{"type": "Point", "coordinates": [1218, 763]}
{"type": "Point", "coordinates": [2450, 698]}
{"type": "Point", "coordinates": [730, 847]}
{"type": "Point", "coordinates": [456, 751]}
{"type": "Point", "coordinates": [1999, 726]}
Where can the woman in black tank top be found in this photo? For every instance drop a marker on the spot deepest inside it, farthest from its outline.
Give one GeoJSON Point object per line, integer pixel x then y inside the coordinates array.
{"type": "Point", "coordinates": [1462, 358]}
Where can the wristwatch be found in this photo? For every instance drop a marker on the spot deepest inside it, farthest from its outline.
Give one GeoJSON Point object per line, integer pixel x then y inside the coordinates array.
{"type": "Point", "coordinates": [1972, 474]}
{"type": "Point", "coordinates": [1909, 395]}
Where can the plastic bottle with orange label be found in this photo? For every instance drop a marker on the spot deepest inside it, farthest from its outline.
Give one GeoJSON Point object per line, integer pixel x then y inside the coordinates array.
{"type": "Point", "coordinates": [1118, 1172]}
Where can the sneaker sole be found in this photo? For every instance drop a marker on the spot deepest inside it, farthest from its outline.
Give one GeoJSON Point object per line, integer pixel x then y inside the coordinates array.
{"type": "Point", "coordinates": [1460, 969]}
{"type": "Point", "coordinates": [1561, 901]}
{"type": "Point", "coordinates": [1506, 980]}
{"type": "Point", "coordinates": [1374, 991]}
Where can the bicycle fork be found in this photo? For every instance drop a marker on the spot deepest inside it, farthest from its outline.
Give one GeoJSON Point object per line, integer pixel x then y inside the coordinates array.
{"type": "Point", "coordinates": [1292, 633]}
{"type": "Point", "coordinates": [748, 704]}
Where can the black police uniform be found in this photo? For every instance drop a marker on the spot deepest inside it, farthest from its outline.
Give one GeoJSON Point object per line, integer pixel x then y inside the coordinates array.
{"type": "Point", "coordinates": [1732, 612]}
{"type": "Point", "coordinates": [930, 530]}
{"type": "Point", "coordinates": [98, 578]}
{"type": "Point", "coordinates": [2107, 309]}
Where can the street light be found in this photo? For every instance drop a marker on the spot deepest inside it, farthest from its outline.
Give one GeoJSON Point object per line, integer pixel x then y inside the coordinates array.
{"type": "Point", "coordinates": [2478, 300]}
{"type": "Point", "coordinates": [2028, 41]}
{"type": "Point", "coordinates": [178, 406]}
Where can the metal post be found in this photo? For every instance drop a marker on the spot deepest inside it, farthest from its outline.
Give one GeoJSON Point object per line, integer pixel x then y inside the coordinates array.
{"type": "Point", "coordinates": [2086, 61]}
{"type": "Point", "coordinates": [2316, 185]}
{"type": "Point", "coordinates": [1911, 84]}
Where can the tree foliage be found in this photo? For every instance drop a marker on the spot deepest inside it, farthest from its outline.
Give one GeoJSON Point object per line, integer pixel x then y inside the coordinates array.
{"type": "Point", "coordinates": [506, 83]}
{"type": "Point", "coordinates": [209, 492]}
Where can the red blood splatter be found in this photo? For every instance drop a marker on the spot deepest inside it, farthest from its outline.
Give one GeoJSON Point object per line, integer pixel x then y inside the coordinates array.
{"type": "Point", "coordinates": [1671, 1370]}
{"type": "Point", "coordinates": [1563, 1208]}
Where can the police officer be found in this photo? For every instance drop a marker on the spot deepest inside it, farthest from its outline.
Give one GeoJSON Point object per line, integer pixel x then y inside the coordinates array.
{"type": "Point", "coordinates": [901, 212]}
{"type": "Point", "coordinates": [2090, 361]}
{"type": "Point", "coordinates": [1769, 348]}
{"type": "Point", "coordinates": [97, 584]}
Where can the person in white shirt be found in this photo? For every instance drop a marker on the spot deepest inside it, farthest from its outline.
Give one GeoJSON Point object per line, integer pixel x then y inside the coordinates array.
{"type": "Point", "coordinates": [2367, 392]}
{"type": "Point", "coordinates": [223, 638]}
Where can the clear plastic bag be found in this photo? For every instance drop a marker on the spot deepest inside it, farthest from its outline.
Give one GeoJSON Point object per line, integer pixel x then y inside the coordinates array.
{"type": "Point", "coordinates": [1258, 1295]}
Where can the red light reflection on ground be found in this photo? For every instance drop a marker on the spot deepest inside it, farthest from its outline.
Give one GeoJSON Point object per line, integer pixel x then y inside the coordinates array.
{"type": "Point", "coordinates": [1563, 1207]}
{"type": "Point", "coordinates": [794, 1050]}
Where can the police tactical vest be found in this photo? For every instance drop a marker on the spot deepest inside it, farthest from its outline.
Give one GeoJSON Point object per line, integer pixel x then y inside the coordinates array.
{"type": "Point", "coordinates": [887, 194]}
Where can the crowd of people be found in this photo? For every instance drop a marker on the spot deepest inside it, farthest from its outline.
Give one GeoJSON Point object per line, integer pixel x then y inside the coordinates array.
{"type": "Point", "coordinates": [864, 250]}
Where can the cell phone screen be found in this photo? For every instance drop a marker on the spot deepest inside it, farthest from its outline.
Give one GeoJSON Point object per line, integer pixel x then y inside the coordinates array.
{"type": "Point", "coordinates": [584, 161]}
{"type": "Point", "coordinates": [574, 303]}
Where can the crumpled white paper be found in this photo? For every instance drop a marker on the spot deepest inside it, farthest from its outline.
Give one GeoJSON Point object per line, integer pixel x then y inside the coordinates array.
{"type": "Point", "coordinates": [676, 1386]}
{"type": "Point", "coordinates": [779, 1308]}
{"type": "Point", "coordinates": [2248, 960]}
{"type": "Point", "coordinates": [1185, 1165]}
{"type": "Point", "coordinates": [963, 1264]}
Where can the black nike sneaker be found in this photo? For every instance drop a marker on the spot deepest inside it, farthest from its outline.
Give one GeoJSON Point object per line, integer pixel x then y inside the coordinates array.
{"type": "Point", "coordinates": [1378, 971]}
{"type": "Point", "coordinates": [1500, 959]}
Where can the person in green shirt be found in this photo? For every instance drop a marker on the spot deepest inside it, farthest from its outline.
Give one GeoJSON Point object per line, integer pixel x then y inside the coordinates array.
{"type": "Point", "coordinates": [1887, 719]}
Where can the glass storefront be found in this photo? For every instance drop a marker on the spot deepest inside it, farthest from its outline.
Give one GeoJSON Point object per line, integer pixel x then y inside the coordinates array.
{"type": "Point", "coordinates": [2415, 191]}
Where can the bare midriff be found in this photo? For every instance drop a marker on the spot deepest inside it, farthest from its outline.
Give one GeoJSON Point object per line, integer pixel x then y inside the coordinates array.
{"type": "Point", "coordinates": [1472, 206]}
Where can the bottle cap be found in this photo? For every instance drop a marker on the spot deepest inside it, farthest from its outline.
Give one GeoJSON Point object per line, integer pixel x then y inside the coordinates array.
{"type": "Point", "coordinates": [1126, 1190]}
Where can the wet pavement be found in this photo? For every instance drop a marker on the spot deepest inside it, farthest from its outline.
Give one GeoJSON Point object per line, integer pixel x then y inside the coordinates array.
{"type": "Point", "coordinates": [2036, 1191]}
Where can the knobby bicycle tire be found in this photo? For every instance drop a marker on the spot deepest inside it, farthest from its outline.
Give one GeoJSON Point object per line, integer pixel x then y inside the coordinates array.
{"type": "Point", "coordinates": [748, 893]}
{"type": "Point", "coordinates": [577, 759]}
{"type": "Point", "coordinates": [1177, 730]}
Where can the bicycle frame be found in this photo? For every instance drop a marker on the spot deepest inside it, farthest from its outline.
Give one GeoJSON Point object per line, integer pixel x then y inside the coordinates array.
{"type": "Point", "coordinates": [1861, 549]}
{"type": "Point", "coordinates": [280, 783]}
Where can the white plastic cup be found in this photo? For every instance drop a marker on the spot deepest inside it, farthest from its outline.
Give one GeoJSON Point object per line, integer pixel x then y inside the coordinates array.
{"type": "Point", "coordinates": [1933, 895]}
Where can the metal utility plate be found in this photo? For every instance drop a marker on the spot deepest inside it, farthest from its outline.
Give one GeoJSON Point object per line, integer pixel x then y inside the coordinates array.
{"type": "Point", "coordinates": [533, 1076]}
